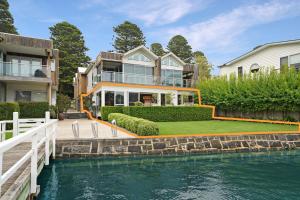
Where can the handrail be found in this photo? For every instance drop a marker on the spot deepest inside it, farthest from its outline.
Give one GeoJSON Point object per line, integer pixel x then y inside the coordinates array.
{"type": "Point", "coordinates": [37, 136]}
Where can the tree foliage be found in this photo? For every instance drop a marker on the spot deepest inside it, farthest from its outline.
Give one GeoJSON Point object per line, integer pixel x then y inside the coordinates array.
{"type": "Point", "coordinates": [181, 48]}
{"type": "Point", "coordinates": [271, 91]}
{"type": "Point", "coordinates": [157, 49]}
{"type": "Point", "coordinates": [6, 19]}
{"type": "Point", "coordinates": [204, 66]}
{"type": "Point", "coordinates": [72, 53]}
{"type": "Point", "coordinates": [127, 36]}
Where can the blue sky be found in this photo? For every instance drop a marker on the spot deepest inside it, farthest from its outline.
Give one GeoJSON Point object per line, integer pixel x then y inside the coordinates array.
{"type": "Point", "coordinates": [221, 29]}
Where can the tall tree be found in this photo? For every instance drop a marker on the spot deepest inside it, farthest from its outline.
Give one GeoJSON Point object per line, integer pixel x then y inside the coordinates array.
{"type": "Point", "coordinates": [157, 49]}
{"type": "Point", "coordinates": [72, 53]}
{"type": "Point", "coordinates": [128, 36]}
{"type": "Point", "coordinates": [6, 19]}
{"type": "Point", "coordinates": [204, 66]}
{"type": "Point", "coordinates": [181, 48]}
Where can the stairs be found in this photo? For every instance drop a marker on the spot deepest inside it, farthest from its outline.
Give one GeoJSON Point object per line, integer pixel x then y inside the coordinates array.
{"type": "Point", "coordinates": [75, 115]}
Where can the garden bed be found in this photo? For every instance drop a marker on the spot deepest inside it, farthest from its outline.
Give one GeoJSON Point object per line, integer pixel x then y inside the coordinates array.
{"type": "Point", "coordinates": [217, 126]}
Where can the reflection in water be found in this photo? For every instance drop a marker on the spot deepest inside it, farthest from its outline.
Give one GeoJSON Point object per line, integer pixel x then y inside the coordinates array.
{"type": "Point", "coordinates": [232, 176]}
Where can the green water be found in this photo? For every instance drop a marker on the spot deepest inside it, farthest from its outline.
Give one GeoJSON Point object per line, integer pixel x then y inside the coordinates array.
{"type": "Point", "coordinates": [273, 175]}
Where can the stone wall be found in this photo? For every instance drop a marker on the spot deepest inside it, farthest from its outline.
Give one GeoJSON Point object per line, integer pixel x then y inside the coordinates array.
{"type": "Point", "coordinates": [176, 145]}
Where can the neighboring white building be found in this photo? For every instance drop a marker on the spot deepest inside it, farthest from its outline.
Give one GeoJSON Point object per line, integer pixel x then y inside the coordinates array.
{"type": "Point", "coordinates": [275, 55]}
{"type": "Point", "coordinates": [139, 76]}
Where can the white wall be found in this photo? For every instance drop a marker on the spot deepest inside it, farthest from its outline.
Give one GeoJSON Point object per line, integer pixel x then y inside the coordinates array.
{"type": "Point", "coordinates": [269, 57]}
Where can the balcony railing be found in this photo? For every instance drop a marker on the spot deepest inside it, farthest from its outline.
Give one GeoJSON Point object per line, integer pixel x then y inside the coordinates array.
{"type": "Point", "coordinates": [24, 70]}
{"type": "Point", "coordinates": [120, 77]}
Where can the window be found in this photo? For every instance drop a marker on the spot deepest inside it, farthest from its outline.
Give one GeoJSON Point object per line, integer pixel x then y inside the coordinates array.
{"type": "Point", "coordinates": [240, 71]}
{"type": "Point", "coordinates": [38, 96]}
{"type": "Point", "coordinates": [23, 96]}
{"type": "Point", "coordinates": [170, 61]}
{"type": "Point", "coordinates": [295, 61]}
{"type": "Point", "coordinates": [254, 68]}
{"type": "Point", "coordinates": [119, 98]}
{"type": "Point", "coordinates": [171, 77]}
{"type": "Point", "coordinates": [284, 62]}
{"type": "Point", "coordinates": [109, 98]}
{"type": "Point", "coordinates": [133, 97]}
{"type": "Point", "coordinates": [2, 92]}
{"type": "Point", "coordinates": [139, 57]}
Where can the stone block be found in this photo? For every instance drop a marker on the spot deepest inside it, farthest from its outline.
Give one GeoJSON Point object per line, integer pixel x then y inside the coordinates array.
{"type": "Point", "coordinates": [107, 149]}
{"type": "Point", "coordinates": [190, 146]}
{"type": "Point", "coordinates": [262, 143]}
{"type": "Point", "coordinates": [207, 144]}
{"type": "Point", "coordinates": [216, 144]}
{"type": "Point", "coordinates": [292, 137]}
{"type": "Point", "coordinates": [81, 149]}
{"type": "Point", "coordinates": [120, 148]}
{"type": "Point", "coordinates": [275, 144]}
{"type": "Point", "coordinates": [135, 149]}
{"type": "Point", "coordinates": [159, 145]}
{"type": "Point", "coordinates": [182, 140]}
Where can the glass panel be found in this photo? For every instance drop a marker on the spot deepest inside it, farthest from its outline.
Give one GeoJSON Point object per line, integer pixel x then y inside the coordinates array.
{"type": "Point", "coordinates": [240, 71]}
{"type": "Point", "coordinates": [39, 96]}
{"type": "Point", "coordinates": [139, 69]}
{"type": "Point", "coordinates": [283, 62]}
{"type": "Point", "coordinates": [177, 74]}
{"type": "Point", "coordinates": [149, 71]}
{"type": "Point", "coordinates": [109, 98]}
{"type": "Point", "coordinates": [119, 98]}
{"type": "Point", "coordinates": [36, 67]}
{"type": "Point", "coordinates": [23, 96]}
{"type": "Point", "coordinates": [2, 92]}
{"type": "Point", "coordinates": [25, 67]}
{"type": "Point", "coordinates": [129, 69]}
{"type": "Point", "coordinates": [133, 97]}
{"type": "Point", "coordinates": [14, 67]}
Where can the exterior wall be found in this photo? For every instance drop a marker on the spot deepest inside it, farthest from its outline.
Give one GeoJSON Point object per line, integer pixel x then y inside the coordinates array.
{"type": "Point", "coordinates": [176, 145]}
{"type": "Point", "coordinates": [11, 89]}
{"type": "Point", "coordinates": [90, 80]}
{"type": "Point", "coordinates": [269, 57]}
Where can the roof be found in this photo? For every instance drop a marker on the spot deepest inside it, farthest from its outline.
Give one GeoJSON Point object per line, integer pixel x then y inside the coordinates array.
{"type": "Point", "coordinates": [81, 69]}
{"type": "Point", "coordinates": [176, 57]}
{"type": "Point", "coordinates": [260, 48]}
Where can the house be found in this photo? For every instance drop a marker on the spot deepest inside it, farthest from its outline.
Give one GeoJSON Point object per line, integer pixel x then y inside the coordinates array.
{"type": "Point", "coordinates": [138, 77]}
{"type": "Point", "coordinates": [275, 55]}
{"type": "Point", "coordinates": [28, 69]}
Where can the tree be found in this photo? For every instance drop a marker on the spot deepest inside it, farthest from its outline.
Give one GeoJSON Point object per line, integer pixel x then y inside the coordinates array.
{"type": "Point", "coordinates": [128, 36]}
{"type": "Point", "coordinates": [180, 47]}
{"type": "Point", "coordinates": [6, 19]}
{"type": "Point", "coordinates": [204, 67]}
{"type": "Point", "coordinates": [72, 53]}
{"type": "Point", "coordinates": [157, 49]}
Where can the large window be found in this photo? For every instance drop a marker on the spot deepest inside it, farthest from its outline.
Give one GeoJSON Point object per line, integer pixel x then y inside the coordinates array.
{"type": "Point", "coordinates": [2, 92]}
{"type": "Point", "coordinates": [240, 71]}
{"type": "Point", "coordinates": [284, 62]}
{"type": "Point", "coordinates": [109, 98]}
{"type": "Point", "coordinates": [119, 98]}
{"type": "Point", "coordinates": [35, 96]}
{"type": "Point", "coordinates": [23, 96]}
{"type": "Point", "coordinates": [133, 97]}
{"type": "Point", "coordinates": [171, 77]}
{"type": "Point", "coordinates": [295, 61]}
{"type": "Point", "coordinates": [25, 66]}
{"type": "Point", "coordinates": [139, 57]}
{"type": "Point", "coordinates": [169, 61]}
{"type": "Point", "coordinates": [138, 74]}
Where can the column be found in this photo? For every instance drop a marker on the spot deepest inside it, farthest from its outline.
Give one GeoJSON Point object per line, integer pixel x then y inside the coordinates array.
{"type": "Point", "coordinates": [159, 99]}
{"type": "Point", "coordinates": [102, 97]}
{"type": "Point", "coordinates": [126, 98]}
{"type": "Point", "coordinates": [175, 99]}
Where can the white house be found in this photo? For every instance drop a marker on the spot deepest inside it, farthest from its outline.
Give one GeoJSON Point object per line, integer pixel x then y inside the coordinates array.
{"type": "Point", "coordinates": [275, 55]}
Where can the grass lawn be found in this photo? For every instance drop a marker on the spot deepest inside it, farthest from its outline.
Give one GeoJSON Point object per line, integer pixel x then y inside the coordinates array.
{"type": "Point", "coordinates": [217, 126]}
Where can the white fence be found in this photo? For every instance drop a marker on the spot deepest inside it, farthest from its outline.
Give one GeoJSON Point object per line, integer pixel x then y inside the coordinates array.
{"type": "Point", "coordinates": [41, 131]}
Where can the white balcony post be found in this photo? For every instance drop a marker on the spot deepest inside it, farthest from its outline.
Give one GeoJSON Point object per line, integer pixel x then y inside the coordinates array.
{"type": "Point", "coordinates": [159, 99]}
{"type": "Point", "coordinates": [126, 98]}
{"type": "Point", "coordinates": [34, 155]}
{"type": "Point", "coordinates": [47, 148]}
{"type": "Point", "coordinates": [1, 167]}
{"type": "Point", "coordinates": [54, 141]}
{"type": "Point", "coordinates": [102, 97]}
{"type": "Point", "coordinates": [15, 124]}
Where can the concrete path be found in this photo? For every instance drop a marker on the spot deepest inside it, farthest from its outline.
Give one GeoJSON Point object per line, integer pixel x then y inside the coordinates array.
{"type": "Point", "coordinates": [64, 130]}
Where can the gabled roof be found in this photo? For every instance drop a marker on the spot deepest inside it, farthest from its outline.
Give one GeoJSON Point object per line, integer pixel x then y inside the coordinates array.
{"type": "Point", "coordinates": [143, 48]}
{"type": "Point", "coordinates": [82, 70]}
{"type": "Point", "coordinates": [174, 56]}
{"type": "Point", "coordinates": [260, 48]}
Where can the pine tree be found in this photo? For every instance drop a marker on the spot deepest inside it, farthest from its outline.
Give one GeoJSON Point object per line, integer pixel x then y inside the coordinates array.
{"type": "Point", "coordinates": [6, 19]}
{"type": "Point", "coordinates": [181, 48]}
{"type": "Point", "coordinates": [157, 49]}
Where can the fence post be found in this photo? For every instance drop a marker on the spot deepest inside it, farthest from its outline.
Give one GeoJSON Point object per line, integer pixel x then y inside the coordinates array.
{"type": "Point", "coordinates": [54, 141]}
{"type": "Point", "coordinates": [47, 148]}
{"type": "Point", "coordinates": [34, 155]}
{"type": "Point", "coordinates": [15, 124]}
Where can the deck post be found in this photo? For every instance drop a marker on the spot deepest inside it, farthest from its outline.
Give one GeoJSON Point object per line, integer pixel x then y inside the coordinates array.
{"type": "Point", "coordinates": [47, 148]}
{"type": "Point", "coordinates": [54, 141]}
{"type": "Point", "coordinates": [34, 156]}
{"type": "Point", "coordinates": [15, 123]}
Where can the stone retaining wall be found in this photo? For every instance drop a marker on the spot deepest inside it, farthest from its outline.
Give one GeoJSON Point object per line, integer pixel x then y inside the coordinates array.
{"type": "Point", "coordinates": [176, 145]}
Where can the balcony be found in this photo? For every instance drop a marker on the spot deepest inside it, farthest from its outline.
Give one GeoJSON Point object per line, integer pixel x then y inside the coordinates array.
{"type": "Point", "coordinates": [10, 69]}
{"type": "Point", "coordinates": [119, 77]}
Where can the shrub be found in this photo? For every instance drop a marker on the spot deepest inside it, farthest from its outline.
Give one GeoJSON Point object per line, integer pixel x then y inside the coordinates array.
{"type": "Point", "coordinates": [33, 109]}
{"type": "Point", "coordinates": [63, 103]}
{"type": "Point", "coordinates": [106, 110]}
{"type": "Point", "coordinates": [53, 112]}
{"type": "Point", "coordinates": [7, 109]}
{"type": "Point", "coordinates": [162, 114]}
{"type": "Point", "coordinates": [136, 125]}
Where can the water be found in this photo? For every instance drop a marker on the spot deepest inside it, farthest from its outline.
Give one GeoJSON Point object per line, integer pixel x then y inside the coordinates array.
{"type": "Point", "coordinates": [254, 176]}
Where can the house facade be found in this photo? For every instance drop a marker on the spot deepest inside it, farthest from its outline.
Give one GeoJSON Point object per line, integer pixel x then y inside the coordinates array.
{"type": "Point", "coordinates": [138, 77]}
{"type": "Point", "coordinates": [271, 55]}
{"type": "Point", "coordinates": [28, 69]}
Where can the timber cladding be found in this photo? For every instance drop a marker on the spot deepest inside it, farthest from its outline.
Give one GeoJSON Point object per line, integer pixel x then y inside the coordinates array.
{"type": "Point", "coordinates": [12, 39]}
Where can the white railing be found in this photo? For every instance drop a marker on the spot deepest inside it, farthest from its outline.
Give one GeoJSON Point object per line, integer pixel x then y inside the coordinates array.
{"type": "Point", "coordinates": [37, 136]}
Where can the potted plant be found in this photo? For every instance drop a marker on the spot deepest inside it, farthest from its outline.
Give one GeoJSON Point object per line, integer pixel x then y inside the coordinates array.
{"type": "Point", "coordinates": [63, 104]}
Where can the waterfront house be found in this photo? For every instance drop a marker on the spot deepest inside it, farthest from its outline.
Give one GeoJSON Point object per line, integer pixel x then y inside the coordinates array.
{"type": "Point", "coordinates": [28, 69]}
{"type": "Point", "coordinates": [137, 77]}
{"type": "Point", "coordinates": [275, 55]}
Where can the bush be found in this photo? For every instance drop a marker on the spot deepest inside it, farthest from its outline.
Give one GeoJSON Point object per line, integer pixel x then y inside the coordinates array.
{"type": "Point", "coordinates": [63, 103]}
{"type": "Point", "coordinates": [106, 110]}
{"type": "Point", "coordinates": [53, 112]}
{"type": "Point", "coordinates": [162, 114]}
{"type": "Point", "coordinates": [33, 109]}
{"type": "Point", "coordinates": [7, 109]}
{"type": "Point", "coordinates": [136, 125]}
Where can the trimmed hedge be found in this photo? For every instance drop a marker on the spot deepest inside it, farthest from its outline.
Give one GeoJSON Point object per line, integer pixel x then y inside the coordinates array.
{"type": "Point", "coordinates": [136, 125]}
{"type": "Point", "coordinates": [161, 114]}
{"type": "Point", "coordinates": [33, 109]}
{"type": "Point", "coordinates": [7, 109]}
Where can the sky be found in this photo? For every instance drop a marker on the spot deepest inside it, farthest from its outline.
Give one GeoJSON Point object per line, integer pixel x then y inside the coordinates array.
{"type": "Point", "coordinates": [222, 29]}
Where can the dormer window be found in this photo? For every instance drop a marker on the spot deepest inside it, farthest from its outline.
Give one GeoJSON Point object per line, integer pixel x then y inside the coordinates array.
{"type": "Point", "coordinates": [254, 68]}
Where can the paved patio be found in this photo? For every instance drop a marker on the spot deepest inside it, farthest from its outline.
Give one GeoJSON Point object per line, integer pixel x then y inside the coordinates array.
{"type": "Point", "coordinates": [85, 130]}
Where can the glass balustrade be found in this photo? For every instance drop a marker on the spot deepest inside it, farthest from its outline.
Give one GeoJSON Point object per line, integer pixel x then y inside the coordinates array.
{"type": "Point", "coordinates": [24, 70]}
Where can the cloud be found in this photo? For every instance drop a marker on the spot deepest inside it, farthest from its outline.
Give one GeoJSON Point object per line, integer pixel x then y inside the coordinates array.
{"type": "Point", "coordinates": [221, 31]}
{"type": "Point", "coordinates": [157, 11]}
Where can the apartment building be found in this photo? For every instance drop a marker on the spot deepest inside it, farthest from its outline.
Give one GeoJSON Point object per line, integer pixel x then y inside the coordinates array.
{"type": "Point", "coordinates": [28, 69]}
{"type": "Point", "coordinates": [137, 77]}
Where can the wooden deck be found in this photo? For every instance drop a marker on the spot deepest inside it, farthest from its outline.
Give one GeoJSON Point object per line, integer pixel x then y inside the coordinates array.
{"type": "Point", "coordinates": [10, 157]}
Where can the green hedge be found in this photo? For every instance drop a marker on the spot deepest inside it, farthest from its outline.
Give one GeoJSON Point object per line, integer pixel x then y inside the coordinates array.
{"type": "Point", "coordinates": [136, 125]}
{"type": "Point", "coordinates": [7, 109]}
{"type": "Point", "coordinates": [161, 114]}
{"type": "Point", "coordinates": [33, 109]}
